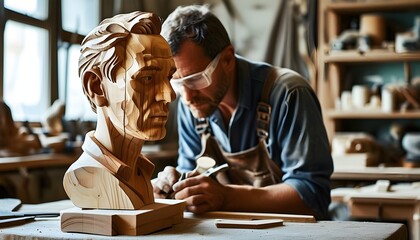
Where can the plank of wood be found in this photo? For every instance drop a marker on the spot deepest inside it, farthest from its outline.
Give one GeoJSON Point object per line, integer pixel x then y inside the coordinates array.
{"type": "Point", "coordinates": [249, 224]}
{"type": "Point", "coordinates": [252, 215]}
{"type": "Point", "coordinates": [153, 217]}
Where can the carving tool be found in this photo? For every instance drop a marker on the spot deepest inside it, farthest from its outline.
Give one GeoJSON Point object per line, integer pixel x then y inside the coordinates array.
{"type": "Point", "coordinates": [209, 173]}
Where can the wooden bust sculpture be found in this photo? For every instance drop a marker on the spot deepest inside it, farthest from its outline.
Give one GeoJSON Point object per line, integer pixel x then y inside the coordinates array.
{"type": "Point", "coordinates": [125, 67]}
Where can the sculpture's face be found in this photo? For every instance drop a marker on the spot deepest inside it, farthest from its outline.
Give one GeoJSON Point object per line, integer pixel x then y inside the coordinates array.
{"type": "Point", "coordinates": [139, 100]}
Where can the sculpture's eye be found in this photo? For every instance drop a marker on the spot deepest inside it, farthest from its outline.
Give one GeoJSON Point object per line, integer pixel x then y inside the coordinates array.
{"type": "Point", "coordinates": [145, 76]}
{"type": "Point", "coordinates": [146, 79]}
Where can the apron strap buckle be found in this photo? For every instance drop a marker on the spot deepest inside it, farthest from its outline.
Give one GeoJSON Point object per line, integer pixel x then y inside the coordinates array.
{"type": "Point", "coordinates": [202, 126]}
{"type": "Point", "coordinates": [263, 121]}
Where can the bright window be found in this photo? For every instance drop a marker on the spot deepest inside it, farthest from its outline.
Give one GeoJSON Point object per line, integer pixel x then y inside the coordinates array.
{"type": "Point", "coordinates": [80, 16]}
{"type": "Point", "coordinates": [33, 8]}
{"type": "Point", "coordinates": [26, 70]}
{"type": "Point", "coordinates": [77, 107]}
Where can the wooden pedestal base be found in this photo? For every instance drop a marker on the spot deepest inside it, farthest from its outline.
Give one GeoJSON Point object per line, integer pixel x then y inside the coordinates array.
{"type": "Point", "coordinates": [151, 218]}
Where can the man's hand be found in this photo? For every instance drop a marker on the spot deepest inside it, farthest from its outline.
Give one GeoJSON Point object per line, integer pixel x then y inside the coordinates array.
{"type": "Point", "coordinates": [162, 185]}
{"type": "Point", "coordinates": [201, 193]}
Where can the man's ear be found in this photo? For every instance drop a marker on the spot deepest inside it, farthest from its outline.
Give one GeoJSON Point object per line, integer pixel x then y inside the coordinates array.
{"type": "Point", "coordinates": [229, 57]}
{"type": "Point", "coordinates": [92, 84]}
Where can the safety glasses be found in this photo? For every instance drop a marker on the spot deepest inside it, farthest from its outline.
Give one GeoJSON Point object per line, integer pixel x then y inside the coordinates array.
{"type": "Point", "coordinates": [198, 80]}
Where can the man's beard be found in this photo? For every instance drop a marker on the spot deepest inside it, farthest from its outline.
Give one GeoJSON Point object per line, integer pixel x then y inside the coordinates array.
{"type": "Point", "coordinates": [207, 106]}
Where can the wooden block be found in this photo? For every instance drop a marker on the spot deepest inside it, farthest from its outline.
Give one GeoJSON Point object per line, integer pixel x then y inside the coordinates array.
{"type": "Point", "coordinates": [364, 210]}
{"type": "Point", "coordinates": [382, 185]}
{"type": "Point", "coordinates": [250, 224]}
{"type": "Point", "coordinates": [153, 217]}
{"type": "Point", "coordinates": [355, 160]}
{"type": "Point", "coordinates": [253, 216]}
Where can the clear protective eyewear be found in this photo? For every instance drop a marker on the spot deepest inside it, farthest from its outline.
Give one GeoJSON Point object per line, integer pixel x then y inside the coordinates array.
{"type": "Point", "coordinates": [198, 80]}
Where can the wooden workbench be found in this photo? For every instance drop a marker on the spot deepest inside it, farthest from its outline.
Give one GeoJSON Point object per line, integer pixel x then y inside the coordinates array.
{"type": "Point", "coordinates": [34, 161]}
{"type": "Point", "coordinates": [195, 227]}
{"type": "Point", "coordinates": [400, 203]}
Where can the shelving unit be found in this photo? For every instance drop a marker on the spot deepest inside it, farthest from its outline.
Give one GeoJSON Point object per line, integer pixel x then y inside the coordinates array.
{"type": "Point", "coordinates": [334, 66]}
{"type": "Point", "coordinates": [336, 115]}
{"type": "Point", "coordinates": [375, 55]}
{"type": "Point", "coordinates": [337, 72]}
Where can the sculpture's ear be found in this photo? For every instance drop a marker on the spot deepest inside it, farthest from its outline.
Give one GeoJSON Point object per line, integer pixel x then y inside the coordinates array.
{"type": "Point", "coordinates": [92, 84]}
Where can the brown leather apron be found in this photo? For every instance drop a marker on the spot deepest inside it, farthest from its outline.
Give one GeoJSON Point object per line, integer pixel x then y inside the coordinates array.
{"type": "Point", "coordinates": [252, 166]}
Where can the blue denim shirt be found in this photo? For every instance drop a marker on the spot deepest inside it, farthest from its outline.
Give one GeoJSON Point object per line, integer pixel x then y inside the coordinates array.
{"type": "Point", "coordinates": [298, 142]}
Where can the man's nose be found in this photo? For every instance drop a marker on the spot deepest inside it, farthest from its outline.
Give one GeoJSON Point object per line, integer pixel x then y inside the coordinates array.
{"type": "Point", "coordinates": [188, 93]}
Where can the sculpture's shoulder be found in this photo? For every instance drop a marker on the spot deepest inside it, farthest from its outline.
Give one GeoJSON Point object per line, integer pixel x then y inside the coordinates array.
{"type": "Point", "coordinates": [85, 160]}
{"type": "Point", "coordinates": [90, 185]}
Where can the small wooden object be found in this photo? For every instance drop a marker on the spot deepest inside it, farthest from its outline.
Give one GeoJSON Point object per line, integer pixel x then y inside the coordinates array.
{"type": "Point", "coordinates": [373, 25]}
{"type": "Point", "coordinates": [15, 140]}
{"type": "Point", "coordinates": [151, 218]}
{"type": "Point", "coordinates": [53, 119]}
{"type": "Point", "coordinates": [259, 224]}
{"type": "Point", "coordinates": [204, 163]}
{"type": "Point", "coordinates": [252, 215]}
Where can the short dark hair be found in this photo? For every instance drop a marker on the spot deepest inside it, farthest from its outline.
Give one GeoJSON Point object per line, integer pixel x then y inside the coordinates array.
{"type": "Point", "coordinates": [198, 24]}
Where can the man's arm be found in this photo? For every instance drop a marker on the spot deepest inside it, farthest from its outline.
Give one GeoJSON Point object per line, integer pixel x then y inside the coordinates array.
{"type": "Point", "coordinates": [300, 144]}
{"type": "Point", "coordinates": [278, 198]}
{"type": "Point", "coordinates": [204, 194]}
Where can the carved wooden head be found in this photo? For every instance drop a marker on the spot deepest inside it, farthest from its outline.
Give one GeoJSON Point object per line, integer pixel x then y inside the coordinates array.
{"type": "Point", "coordinates": [125, 67]}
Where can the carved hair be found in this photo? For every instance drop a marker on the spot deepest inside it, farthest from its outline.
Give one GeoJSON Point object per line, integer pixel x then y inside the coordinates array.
{"type": "Point", "coordinates": [195, 23]}
{"type": "Point", "coordinates": [103, 49]}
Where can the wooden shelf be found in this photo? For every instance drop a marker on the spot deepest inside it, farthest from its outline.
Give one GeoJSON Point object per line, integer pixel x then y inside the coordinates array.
{"type": "Point", "coordinates": [376, 55]}
{"type": "Point", "coordinates": [375, 173]}
{"type": "Point", "coordinates": [361, 6]}
{"type": "Point", "coordinates": [336, 114]}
